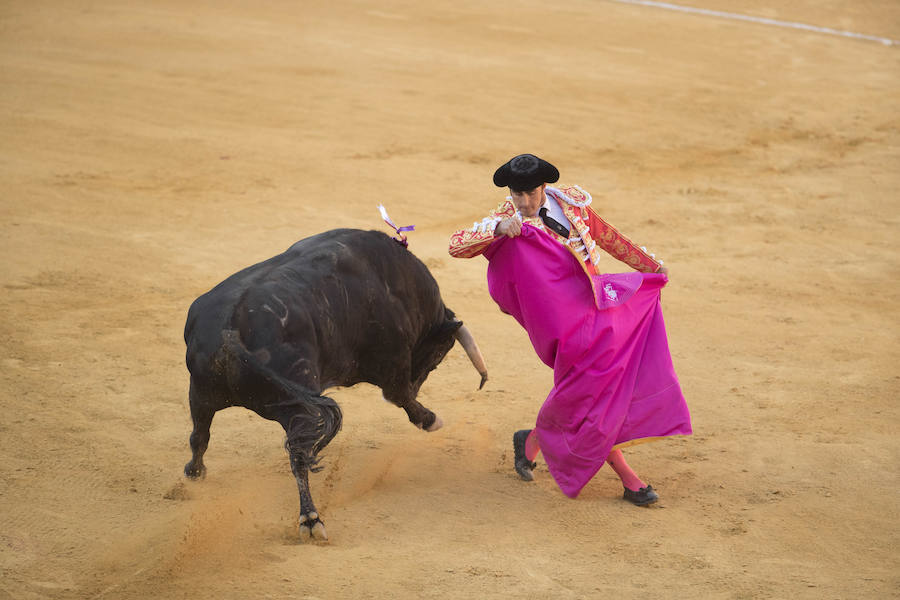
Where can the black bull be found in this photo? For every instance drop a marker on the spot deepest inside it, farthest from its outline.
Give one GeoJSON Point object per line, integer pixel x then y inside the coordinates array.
{"type": "Point", "coordinates": [339, 308]}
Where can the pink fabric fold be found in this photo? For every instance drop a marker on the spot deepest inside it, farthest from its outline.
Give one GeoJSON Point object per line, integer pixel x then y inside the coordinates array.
{"type": "Point", "coordinates": [614, 380]}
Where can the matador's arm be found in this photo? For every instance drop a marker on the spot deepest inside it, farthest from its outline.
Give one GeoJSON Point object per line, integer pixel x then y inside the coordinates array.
{"type": "Point", "coordinates": [618, 246]}
{"type": "Point", "coordinates": [471, 242]}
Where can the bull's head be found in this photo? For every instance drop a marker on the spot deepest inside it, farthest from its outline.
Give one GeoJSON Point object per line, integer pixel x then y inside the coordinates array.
{"type": "Point", "coordinates": [429, 353]}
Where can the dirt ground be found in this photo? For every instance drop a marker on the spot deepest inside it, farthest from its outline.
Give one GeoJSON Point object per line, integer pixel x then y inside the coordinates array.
{"type": "Point", "coordinates": [151, 149]}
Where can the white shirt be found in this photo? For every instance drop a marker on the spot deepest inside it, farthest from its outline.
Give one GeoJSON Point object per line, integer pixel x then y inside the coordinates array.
{"type": "Point", "coordinates": [556, 212]}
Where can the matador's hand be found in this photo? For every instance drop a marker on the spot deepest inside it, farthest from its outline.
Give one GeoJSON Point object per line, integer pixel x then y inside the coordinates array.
{"type": "Point", "coordinates": [510, 227]}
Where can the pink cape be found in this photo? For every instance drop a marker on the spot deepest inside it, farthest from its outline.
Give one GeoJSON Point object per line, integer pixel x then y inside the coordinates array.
{"type": "Point", "coordinates": [613, 376]}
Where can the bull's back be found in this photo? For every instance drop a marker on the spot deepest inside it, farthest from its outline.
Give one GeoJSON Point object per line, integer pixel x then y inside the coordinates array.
{"type": "Point", "coordinates": [336, 289]}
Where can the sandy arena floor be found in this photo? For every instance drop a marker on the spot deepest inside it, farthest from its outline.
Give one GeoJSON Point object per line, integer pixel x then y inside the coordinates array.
{"type": "Point", "coordinates": [151, 149]}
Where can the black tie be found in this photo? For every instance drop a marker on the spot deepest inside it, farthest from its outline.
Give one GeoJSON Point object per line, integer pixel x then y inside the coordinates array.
{"type": "Point", "coordinates": [553, 223]}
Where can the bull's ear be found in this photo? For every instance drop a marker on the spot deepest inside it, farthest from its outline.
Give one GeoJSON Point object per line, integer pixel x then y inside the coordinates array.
{"type": "Point", "coordinates": [445, 330]}
{"type": "Point", "coordinates": [450, 327]}
{"type": "Point", "coordinates": [451, 323]}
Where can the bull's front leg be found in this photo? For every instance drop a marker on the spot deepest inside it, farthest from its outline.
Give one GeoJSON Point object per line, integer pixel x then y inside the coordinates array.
{"type": "Point", "coordinates": [418, 415]}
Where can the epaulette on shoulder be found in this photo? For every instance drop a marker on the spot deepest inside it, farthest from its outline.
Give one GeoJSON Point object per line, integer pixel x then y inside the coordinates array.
{"type": "Point", "coordinates": [571, 194]}
{"type": "Point", "coordinates": [506, 208]}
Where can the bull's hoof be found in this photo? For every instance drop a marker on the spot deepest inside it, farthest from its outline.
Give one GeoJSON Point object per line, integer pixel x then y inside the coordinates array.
{"type": "Point", "coordinates": [312, 527]}
{"type": "Point", "coordinates": [192, 471]}
{"type": "Point", "coordinates": [438, 423]}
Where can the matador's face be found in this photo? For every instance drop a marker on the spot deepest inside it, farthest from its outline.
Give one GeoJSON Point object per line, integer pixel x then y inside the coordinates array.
{"type": "Point", "coordinates": [529, 201]}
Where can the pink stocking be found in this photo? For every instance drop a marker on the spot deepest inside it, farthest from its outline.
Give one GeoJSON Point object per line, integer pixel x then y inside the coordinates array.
{"type": "Point", "coordinates": [629, 478]}
{"type": "Point", "coordinates": [531, 446]}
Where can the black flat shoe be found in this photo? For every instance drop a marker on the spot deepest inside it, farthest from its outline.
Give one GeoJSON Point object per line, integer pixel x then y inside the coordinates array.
{"type": "Point", "coordinates": [524, 467]}
{"type": "Point", "coordinates": [642, 497]}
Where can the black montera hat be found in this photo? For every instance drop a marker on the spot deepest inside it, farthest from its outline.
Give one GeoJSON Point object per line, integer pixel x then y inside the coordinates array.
{"type": "Point", "coordinates": [525, 172]}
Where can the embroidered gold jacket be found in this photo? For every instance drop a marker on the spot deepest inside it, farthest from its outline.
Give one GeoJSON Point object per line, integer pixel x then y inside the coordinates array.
{"type": "Point", "coordinates": [587, 236]}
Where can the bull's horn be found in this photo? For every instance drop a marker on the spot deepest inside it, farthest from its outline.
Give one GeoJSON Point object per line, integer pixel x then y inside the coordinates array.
{"type": "Point", "coordinates": [464, 337]}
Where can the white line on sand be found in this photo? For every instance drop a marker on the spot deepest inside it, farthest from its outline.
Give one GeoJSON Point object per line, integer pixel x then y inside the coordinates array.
{"type": "Point", "coordinates": [762, 20]}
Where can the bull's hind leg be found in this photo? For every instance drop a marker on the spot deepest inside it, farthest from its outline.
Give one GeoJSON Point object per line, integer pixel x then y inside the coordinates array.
{"type": "Point", "coordinates": [310, 423]}
{"type": "Point", "coordinates": [309, 522]}
{"type": "Point", "coordinates": [202, 416]}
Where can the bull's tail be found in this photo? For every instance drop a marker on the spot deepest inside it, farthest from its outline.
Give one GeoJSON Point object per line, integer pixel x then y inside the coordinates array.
{"type": "Point", "coordinates": [310, 420]}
